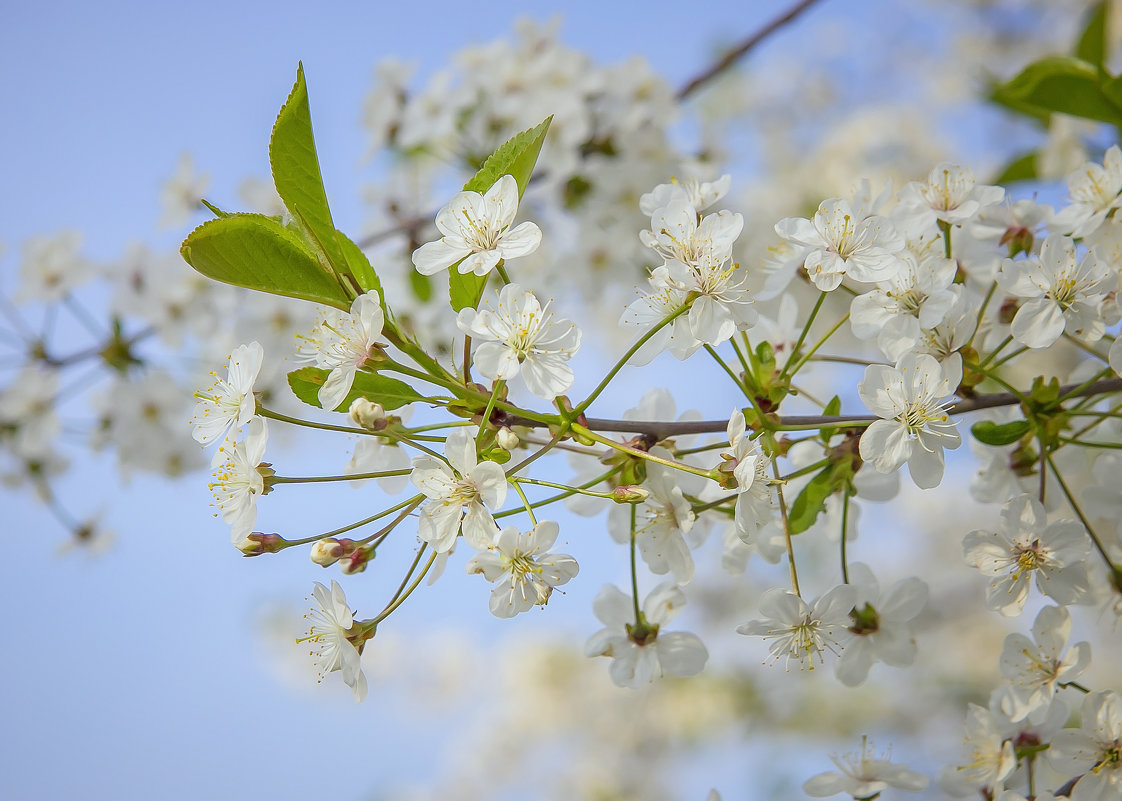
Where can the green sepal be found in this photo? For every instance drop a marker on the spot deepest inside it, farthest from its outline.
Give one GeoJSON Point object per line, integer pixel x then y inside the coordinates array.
{"type": "Point", "coordinates": [1059, 84]}
{"type": "Point", "coordinates": [377, 388]}
{"type": "Point", "coordinates": [990, 433]}
{"type": "Point", "coordinates": [258, 252]}
{"type": "Point", "coordinates": [515, 157]}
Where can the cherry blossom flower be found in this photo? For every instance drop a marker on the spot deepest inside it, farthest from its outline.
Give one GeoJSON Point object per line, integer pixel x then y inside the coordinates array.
{"type": "Point", "coordinates": [1035, 669]}
{"type": "Point", "coordinates": [801, 631]}
{"type": "Point", "coordinates": [332, 624]}
{"type": "Point", "coordinates": [1062, 293]}
{"type": "Point", "coordinates": [863, 775]}
{"type": "Point", "coordinates": [642, 651]}
{"type": "Point", "coordinates": [342, 343]}
{"type": "Point", "coordinates": [700, 194]}
{"type": "Point", "coordinates": [755, 502]}
{"type": "Point", "coordinates": [527, 572]}
{"type": "Point", "coordinates": [1094, 191]}
{"type": "Point", "coordinates": [881, 630]}
{"type": "Point", "coordinates": [238, 482]}
{"type": "Point", "coordinates": [1093, 750]}
{"type": "Point", "coordinates": [841, 243]}
{"type": "Point", "coordinates": [915, 428]}
{"type": "Point", "coordinates": [951, 193]}
{"type": "Point", "coordinates": [230, 402]}
{"type": "Point", "coordinates": [459, 492]}
{"type": "Point", "coordinates": [990, 757]}
{"type": "Point", "coordinates": [1028, 547]}
{"type": "Point", "coordinates": [678, 235]}
{"type": "Point", "coordinates": [519, 336]}
{"type": "Point", "coordinates": [476, 232]}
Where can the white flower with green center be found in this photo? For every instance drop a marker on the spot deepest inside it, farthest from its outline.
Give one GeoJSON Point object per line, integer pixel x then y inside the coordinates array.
{"type": "Point", "coordinates": [641, 650]}
{"type": "Point", "coordinates": [841, 243]}
{"type": "Point", "coordinates": [1062, 292]}
{"type": "Point", "coordinates": [342, 343]}
{"type": "Point", "coordinates": [518, 335]}
{"type": "Point", "coordinates": [1094, 191]}
{"type": "Point", "coordinates": [239, 482]}
{"type": "Point", "coordinates": [678, 235]}
{"type": "Point", "coordinates": [524, 568]}
{"type": "Point", "coordinates": [332, 624]}
{"type": "Point", "coordinates": [911, 399]}
{"type": "Point", "coordinates": [230, 402]}
{"type": "Point", "coordinates": [459, 492]}
{"type": "Point", "coordinates": [800, 631]}
{"type": "Point", "coordinates": [476, 232]}
{"type": "Point", "coordinates": [1093, 752]}
{"type": "Point", "coordinates": [1028, 547]}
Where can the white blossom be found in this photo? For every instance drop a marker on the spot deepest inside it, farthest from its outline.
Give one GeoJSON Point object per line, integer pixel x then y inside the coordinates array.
{"type": "Point", "coordinates": [801, 631]}
{"type": "Point", "coordinates": [1035, 669]}
{"type": "Point", "coordinates": [228, 403]}
{"type": "Point", "coordinates": [332, 621]}
{"type": "Point", "coordinates": [864, 775]}
{"type": "Point", "coordinates": [525, 569]}
{"type": "Point", "coordinates": [1094, 751]}
{"type": "Point", "coordinates": [476, 232]}
{"type": "Point", "coordinates": [342, 343]}
{"type": "Point", "coordinates": [1094, 191]}
{"type": "Point", "coordinates": [238, 482]}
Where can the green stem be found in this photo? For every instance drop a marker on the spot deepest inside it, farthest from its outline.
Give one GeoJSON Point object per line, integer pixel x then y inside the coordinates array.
{"type": "Point", "coordinates": [634, 571]}
{"type": "Point", "coordinates": [619, 446]}
{"type": "Point", "coordinates": [416, 499]}
{"type": "Point", "coordinates": [787, 531]}
{"type": "Point", "coordinates": [981, 314]}
{"type": "Point", "coordinates": [319, 479]}
{"type": "Point", "coordinates": [799, 365]}
{"type": "Point", "coordinates": [1079, 513]}
{"type": "Point", "coordinates": [284, 418]}
{"type": "Point", "coordinates": [554, 498]}
{"type": "Point", "coordinates": [399, 601]}
{"type": "Point", "coordinates": [735, 379]}
{"type": "Point", "coordinates": [845, 524]}
{"type": "Point", "coordinates": [804, 332]}
{"type": "Point", "coordinates": [525, 502]}
{"type": "Point", "coordinates": [500, 268]}
{"type": "Point", "coordinates": [495, 390]}
{"type": "Point", "coordinates": [804, 470]}
{"type": "Point", "coordinates": [1000, 347]}
{"type": "Point", "coordinates": [627, 356]}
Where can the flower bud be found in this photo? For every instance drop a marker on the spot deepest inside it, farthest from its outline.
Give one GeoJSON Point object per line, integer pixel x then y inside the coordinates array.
{"type": "Point", "coordinates": [329, 550]}
{"type": "Point", "coordinates": [257, 543]}
{"type": "Point", "coordinates": [629, 493]}
{"type": "Point", "coordinates": [355, 562]}
{"type": "Point", "coordinates": [506, 439]}
{"type": "Point", "coordinates": [367, 414]}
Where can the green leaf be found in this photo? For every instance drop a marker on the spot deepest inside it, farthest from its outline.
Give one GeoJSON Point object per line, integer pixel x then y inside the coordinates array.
{"type": "Point", "coordinates": [299, 182]}
{"type": "Point", "coordinates": [359, 267]}
{"type": "Point", "coordinates": [516, 157]}
{"type": "Point", "coordinates": [389, 392]}
{"type": "Point", "coordinates": [1022, 168]}
{"type": "Point", "coordinates": [811, 501]}
{"type": "Point", "coordinates": [1092, 44]}
{"type": "Point", "coordinates": [1059, 84]}
{"type": "Point", "coordinates": [833, 408]}
{"type": "Point", "coordinates": [258, 252]}
{"type": "Point", "coordinates": [422, 286]}
{"type": "Point", "coordinates": [990, 433]}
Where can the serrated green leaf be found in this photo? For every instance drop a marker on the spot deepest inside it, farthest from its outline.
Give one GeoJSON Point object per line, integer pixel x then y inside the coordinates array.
{"type": "Point", "coordinates": [1092, 46]}
{"type": "Point", "coordinates": [377, 388]}
{"type": "Point", "coordinates": [1059, 84]}
{"type": "Point", "coordinates": [990, 433]}
{"type": "Point", "coordinates": [257, 252]}
{"type": "Point", "coordinates": [811, 501]}
{"type": "Point", "coordinates": [1022, 168]}
{"type": "Point", "coordinates": [296, 173]}
{"type": "Point", "coordinates": [515, 157]}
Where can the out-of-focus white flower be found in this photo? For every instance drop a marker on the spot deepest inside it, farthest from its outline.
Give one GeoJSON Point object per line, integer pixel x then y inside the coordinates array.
{"type": "Point", "coordinates": [1027, 547]}
{"type": "Point", "coordinates": [332, 622]}
{"type": "Point", "coordinates": [990, 757]}
{"type": "Point", "coordinates": [863, 775]}
{"type": "Point", "coordinates": [640, 650]}
{"type": "Point", "coordinates": [1036, 668]}
{"type": "Point", "coordinates": [700, 194]}
{"type": "Point", "coordinates": [475, 232]}
{"type": "Point", "coordinates": [1094, 191]}
{"type": "Point", "coordinates": [181, 193]}
{"type": "Point", "coordinates": [342, 343]}
{"type": "Point", "coordinates": [527, 572]}
{"type": "Point", "coordinates": [841, 244]}
{"type": "Point", "coordinates": [882, 625]}
{"type": "Point", "coordinates": [1062, 293]}
{"type": "Point", "coordinates": [52, 266]}
{"type": "Point", "coordinates": [911, 399]}
{"type": "Point", "coordinates": [459, 493]}
{"type": "Point", "coordinates": [518, 335]}
{"type": "Point", "coordinates": [801, 631]}
{"type": "Point", "coordinates": [228, 403]}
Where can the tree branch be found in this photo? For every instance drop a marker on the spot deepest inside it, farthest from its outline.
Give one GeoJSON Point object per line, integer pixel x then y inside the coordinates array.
{"type": "Point", "coordinates": [660, 430]}
{"type": "Point", "coordinates": [738, 52]}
